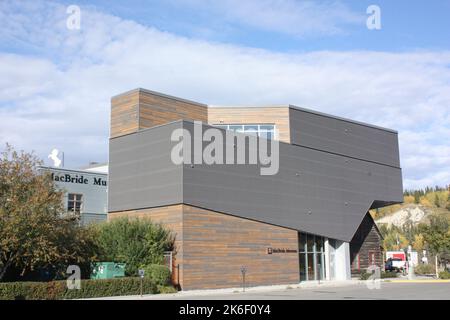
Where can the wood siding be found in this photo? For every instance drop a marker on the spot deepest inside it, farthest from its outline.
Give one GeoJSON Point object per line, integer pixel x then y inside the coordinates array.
{"type": "Point", "coordinates": [156, 110]}
{"type": "Point", "coordinates": [212, 247]}
{"type": "Point", "coordinates": [216, 246]}
{"type": "Point", "coordinates": [140, 109]}
{"type": "Point", "coordinates": [366, 240]}
{"type": "Point", "coordinates": [124, 114]}
{"type": "Point", "coordinates": [249, 115]}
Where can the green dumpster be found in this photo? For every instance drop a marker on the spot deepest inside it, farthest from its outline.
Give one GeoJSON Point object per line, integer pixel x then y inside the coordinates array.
{"type": "Point", "coordinates": [107, 270]}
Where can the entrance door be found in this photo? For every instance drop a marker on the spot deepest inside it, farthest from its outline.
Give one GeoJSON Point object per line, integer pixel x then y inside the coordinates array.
{"type": "Point", "coordinates": [311, 257]}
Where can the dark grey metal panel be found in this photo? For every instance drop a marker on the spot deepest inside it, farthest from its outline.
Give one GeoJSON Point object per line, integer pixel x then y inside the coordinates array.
{"type": "Point", "coordinates": [329, 196]}
{"type": "Point", "coordinates": [141, 173]}
{"type": "Point", "coordinates": [314, 191]}
{"type": "Point", "coordinates": [348, 138]}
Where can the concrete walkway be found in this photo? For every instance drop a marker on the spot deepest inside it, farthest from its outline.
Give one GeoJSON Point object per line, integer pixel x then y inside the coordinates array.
{"type": "Point", "coordinates": [335, 290]}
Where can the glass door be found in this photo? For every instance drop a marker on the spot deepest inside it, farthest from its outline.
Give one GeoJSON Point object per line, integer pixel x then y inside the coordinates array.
{"type": "Point", "coordinates": [311, 257]}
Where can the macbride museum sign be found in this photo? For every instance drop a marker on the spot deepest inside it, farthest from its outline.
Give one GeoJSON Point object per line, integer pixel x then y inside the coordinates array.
{"type": "Point", "coordinates": [80, 179]}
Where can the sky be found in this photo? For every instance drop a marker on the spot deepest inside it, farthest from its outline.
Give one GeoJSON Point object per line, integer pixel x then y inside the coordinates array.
{"type": "Point", "coordinates": [56, 82]}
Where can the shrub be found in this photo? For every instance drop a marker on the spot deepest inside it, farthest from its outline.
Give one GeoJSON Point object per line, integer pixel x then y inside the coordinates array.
{"type": "Point", "coordinates": [158, 273]}
{"type": "Point", "coordinates": [167, 289]}
{"type": "Point", "coordinates": [423, 269]}
{"type": "Point", "coordinates": [364, 275]}
{"type": "Point", "coordinates": [388, 274]}
{"type": "Point", "coordinates": [444, 275]}
{"type": "Point", "coordinates": [384, 274]}
{"type": "Point", "coordinates": [132, 241]}
{"type": "Point", "coordinates": [57, 290]}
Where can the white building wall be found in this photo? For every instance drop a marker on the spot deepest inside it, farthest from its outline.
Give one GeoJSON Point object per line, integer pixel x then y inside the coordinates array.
{"type": "Point", "coordinates": [342, 260]}
{"type": "Point", "coordinates": [95, 207]}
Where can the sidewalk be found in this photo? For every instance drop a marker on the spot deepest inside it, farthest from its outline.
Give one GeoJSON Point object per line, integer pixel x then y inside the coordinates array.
{"type": "Point", "coordinates": [259, 289]}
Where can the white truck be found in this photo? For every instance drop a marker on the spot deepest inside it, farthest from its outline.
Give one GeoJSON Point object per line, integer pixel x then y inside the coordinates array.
{"type": "Point", "coordinates": [395, 261]}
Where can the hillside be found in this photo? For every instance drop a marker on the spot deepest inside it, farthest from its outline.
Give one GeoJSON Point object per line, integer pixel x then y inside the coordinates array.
{"type": "Point", "coordinates": [409, 213]}
{"type": "Point", "coordinates": [417, 207]}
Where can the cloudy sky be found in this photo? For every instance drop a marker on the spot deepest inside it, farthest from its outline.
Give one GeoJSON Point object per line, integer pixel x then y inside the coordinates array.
{"type": "Point", "coordinates": [56, 83]}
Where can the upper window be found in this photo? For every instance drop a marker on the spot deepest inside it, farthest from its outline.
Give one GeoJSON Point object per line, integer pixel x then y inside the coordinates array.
{"type": "Point", "coordinates": [310, 243]}
{"type": "Point", "coordinates": [266, 131]}
{"type": "Point", "coordinates": [74, 203]}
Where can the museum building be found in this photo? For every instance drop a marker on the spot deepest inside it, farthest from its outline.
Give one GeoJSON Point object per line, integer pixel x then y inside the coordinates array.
{"type": "Point", "coordinates": [306, 221]}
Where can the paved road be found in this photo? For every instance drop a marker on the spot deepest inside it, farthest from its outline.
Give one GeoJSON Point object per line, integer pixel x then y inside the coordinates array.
{"type": "Point", "coordinates": [387, 291]}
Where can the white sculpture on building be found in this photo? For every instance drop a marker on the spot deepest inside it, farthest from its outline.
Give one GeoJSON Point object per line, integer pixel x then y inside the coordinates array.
{"type": "Point", "coordinates": [54, 157]}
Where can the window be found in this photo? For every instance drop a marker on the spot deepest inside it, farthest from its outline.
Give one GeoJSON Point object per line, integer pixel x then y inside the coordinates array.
{"type": "Point", "coordinates": [74, 203]}
{"type": "Point", "coordinates": [266, 131]}
{"type": "Point", "coordinates": [311, 257]}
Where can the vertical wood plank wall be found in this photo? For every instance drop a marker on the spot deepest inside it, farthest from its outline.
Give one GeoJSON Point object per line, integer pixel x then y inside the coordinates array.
{"type": "Point", "coordinates": [245, 115]}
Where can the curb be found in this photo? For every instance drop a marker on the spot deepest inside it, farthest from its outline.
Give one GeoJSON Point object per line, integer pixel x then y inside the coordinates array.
{"type": "Point", "coordinates": [421, 281]}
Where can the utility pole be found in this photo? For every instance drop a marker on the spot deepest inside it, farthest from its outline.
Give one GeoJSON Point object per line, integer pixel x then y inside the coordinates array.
{"type": "Point", "coordinates": [436, 264]}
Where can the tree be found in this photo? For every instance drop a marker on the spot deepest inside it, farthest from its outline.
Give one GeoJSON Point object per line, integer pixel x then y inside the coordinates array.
{"type": "Point", "coordinates": [437, 235]}
{"type": "Point", "coordinates": [418, 243]}
{"type": "Point", "coordinates": [416, 197]}
{"type": "Point", "coordinates": [33, 233]}
{"type": "Point", "coordinates": [133, 241]}
{"type": "Point", "coordinates": [394, 239]}
{"type": "Point", "coordinates": [436, 200]}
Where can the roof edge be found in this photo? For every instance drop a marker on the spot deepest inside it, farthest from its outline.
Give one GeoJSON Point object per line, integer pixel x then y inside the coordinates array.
{"type": "Point", "coordinates": [365, 124]}
{"type": "Point", "coordinates": [163, 95]}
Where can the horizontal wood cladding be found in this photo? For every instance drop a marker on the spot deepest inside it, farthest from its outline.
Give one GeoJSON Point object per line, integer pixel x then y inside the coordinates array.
{"type": "Point", "coordinates": [171, 217]}
{"type": "Point", "coordinates": [366, 242]}
{"type": "Point", "coordinates": [216, 246]}
{"type": "Point", "coordinates": [140, 109]}
{"type": "Point", "coordinates": [246, 115]}
{"type": "Point", "coordinates": [124, 114]}
{"type": "Point", "coordinates": [156, 110]}
{"type": "Point", "coordinates": [212, 247]}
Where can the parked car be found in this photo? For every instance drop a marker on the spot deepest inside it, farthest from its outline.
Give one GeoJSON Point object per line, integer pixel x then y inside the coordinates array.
{"type": "Point", "coordinates": [395, 264]}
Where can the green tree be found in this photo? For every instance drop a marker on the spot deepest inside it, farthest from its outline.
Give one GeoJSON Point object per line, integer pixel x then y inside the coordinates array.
{"type": "Point", "coordinates": [135, 242]}
{"type": "Point", "coordinates": [437, 235]}
{"type": "Point", "coordinates": [33, 233]}
{"type": "Point", "coordinates": [393, 239]}
{"type": "Point", "coordinates": [416, 197]}
{"type": "Point", "coordinates": [418, 243]}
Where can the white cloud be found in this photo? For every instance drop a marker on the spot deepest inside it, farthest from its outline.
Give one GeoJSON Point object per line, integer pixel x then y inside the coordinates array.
{"type": "Point", "coordinates": [59, 94]}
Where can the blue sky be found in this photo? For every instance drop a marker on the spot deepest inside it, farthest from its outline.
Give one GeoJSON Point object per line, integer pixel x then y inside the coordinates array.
{"type": "Point", "coordinates": [406, 24]}
{"type": "Point", "coordinates": [56, 83]}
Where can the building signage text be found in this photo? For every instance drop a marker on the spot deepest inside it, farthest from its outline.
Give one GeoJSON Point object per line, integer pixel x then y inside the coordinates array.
{"type": "Point", "coordinates": [98, 181]}
{"type": "Point", "coordinates": [280, 250]}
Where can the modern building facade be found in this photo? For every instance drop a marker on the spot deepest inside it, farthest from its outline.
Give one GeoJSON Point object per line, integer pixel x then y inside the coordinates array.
{"type": "Point", "coordinates": [85, 191]}
{"type": "Point", "coordinates": [309, 221]}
